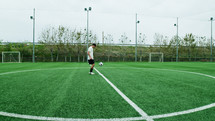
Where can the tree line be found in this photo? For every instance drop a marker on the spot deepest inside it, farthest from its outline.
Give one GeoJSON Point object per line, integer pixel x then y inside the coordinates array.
{"type": "Point", "coordinates": [63, 44]}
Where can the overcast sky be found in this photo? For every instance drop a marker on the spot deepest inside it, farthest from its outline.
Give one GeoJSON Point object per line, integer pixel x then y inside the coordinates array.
{"type": "Point", "coordinates": [114, 17]}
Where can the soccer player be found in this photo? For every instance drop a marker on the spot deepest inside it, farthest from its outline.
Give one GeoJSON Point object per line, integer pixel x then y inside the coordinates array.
{"type": "Point", "coordinates": [91, 58]}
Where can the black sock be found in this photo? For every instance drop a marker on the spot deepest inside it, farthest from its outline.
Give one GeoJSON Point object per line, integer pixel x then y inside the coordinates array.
{"type": "Point", "coordinates": [91, 70]}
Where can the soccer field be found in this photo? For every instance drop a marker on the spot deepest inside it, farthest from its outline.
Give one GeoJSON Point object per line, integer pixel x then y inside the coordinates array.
{"type": "Point", "coordinates": [117, 91]}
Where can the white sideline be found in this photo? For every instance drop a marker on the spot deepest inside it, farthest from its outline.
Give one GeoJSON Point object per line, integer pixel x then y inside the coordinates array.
{"type": "Point", "coordinates": [139, 110]}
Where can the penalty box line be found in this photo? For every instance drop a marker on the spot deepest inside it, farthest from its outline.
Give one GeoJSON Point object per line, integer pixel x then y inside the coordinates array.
{"type": "Point", "coordinates": [138, 109]}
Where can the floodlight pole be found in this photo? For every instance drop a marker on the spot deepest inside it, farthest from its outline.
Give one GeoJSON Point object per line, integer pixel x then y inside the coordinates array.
{"type": "Point", "coordinates": [136, 22]}
{"type": "Point", "coordinates": [88, 10]}
{"type": "Point", "coordinates": [177, 43]}
{"type": "Point", "coordinates": [211, 38]}
{"type": "Point", "coordinates": [2, 57]}
{"type": "Point", "coordinates": [33, 18]}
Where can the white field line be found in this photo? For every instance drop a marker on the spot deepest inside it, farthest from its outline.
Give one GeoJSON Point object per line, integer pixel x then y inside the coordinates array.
{"type": "Point", "coordinates": [183, 112]}
{"type": "Point", "coordinates": [64, 119]}
{"type": "Point", "coordinates": [57, 118]}
{"type": "Point", "coordinates": [196, 73]}
{"type": "Point", "coordinates": [13, 72]}
{"type": "Point", "coordinates": [112, 119]}
{"type": "Point", "coordinates": [209, 63]}
{"type": "Point", "coordinates": [139, 110]}
{"type": "Point", "coordinates": [20, 71]}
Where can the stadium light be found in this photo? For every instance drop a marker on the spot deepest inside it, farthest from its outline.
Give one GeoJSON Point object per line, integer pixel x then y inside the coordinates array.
{"type": "Point", "coordinates": [136, 23]}
{"type": "Point", "coordinates": [211, 19]}
{"type": "Point", "coordinates": [176, 25]}
{"type": "Point", "coordinates": [88, 10]}
{"type": "Point", "coordinates": [33, 18]}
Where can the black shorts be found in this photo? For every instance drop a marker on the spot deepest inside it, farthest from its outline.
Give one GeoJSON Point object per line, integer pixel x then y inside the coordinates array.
{"type": "Point", "coordinates": [91, 62]}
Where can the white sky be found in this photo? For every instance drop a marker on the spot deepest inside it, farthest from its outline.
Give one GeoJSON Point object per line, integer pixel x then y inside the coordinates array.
{"type": "Point", "coordinates": [114, 17]}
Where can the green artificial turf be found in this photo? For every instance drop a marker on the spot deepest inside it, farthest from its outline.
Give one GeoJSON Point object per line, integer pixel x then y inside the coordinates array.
{"type": "Point", "coordinates": [67, 90]}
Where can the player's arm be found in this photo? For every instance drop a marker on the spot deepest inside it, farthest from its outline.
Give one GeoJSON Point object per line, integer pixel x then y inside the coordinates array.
{"type": "Point", "coordinates": [89, 55]}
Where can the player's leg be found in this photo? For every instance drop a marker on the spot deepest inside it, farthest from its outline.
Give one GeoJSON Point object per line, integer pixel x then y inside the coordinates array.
{"type": "Point", "coordinates": [91, 69]}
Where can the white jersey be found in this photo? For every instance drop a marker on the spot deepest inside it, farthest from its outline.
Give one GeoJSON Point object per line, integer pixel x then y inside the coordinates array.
{"type": "Point", "coordinates": [90, 50]}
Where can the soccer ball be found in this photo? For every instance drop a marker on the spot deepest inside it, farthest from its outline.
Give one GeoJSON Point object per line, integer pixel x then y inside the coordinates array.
{"type": "Point", "coordinates": [101, 64]}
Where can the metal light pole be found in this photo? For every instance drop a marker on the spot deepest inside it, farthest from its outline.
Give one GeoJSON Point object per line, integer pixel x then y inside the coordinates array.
{"type": "Point", "coordinates": [177, 42]}
{"type": "Point", "coordinates": [33, 18]}
{"type": "Point", "coordinates": [136, 22]}
{"type": "Point", "coordinates": [88, 10]}
{"type": "Point", "coordinates": [211, 38]}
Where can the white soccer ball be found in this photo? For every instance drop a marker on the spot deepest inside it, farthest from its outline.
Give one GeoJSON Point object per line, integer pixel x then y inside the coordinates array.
{"type": "Point", "coordinates": [101, 64]}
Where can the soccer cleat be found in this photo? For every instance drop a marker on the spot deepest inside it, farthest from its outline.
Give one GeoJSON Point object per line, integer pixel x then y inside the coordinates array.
{"type": "Point", "coordinates": [91, 73]}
